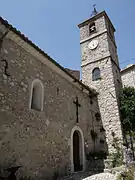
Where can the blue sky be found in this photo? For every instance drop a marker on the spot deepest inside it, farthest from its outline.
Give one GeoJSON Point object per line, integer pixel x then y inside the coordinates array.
{"type": "Point", "coordinates": [52, 25]}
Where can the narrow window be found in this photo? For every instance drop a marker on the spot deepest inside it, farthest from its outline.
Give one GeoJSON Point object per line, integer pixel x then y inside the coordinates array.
{"type": "Point", "coordinates": [96, 74]}
{"type": "Point", "coordinates": [97, 116]}
{"type": "Point", "coordinates": [92, 28]}
{"type": "Point", "coordinates": [37, 91]}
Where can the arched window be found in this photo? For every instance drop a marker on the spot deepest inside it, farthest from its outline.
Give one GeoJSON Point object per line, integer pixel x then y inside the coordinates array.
{"type": "Point", "coordinates": [37, 94]}
{"type": "Point", "coordinates": [92, 28]}
{"type": "Point", "coordinates": [96, 74]}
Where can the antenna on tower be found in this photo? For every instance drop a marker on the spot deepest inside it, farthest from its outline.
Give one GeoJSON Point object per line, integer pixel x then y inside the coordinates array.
{"type": "Point", "coordinates": [94, 12]}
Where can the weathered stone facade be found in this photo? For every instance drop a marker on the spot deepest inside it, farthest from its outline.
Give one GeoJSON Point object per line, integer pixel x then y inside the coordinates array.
{"type": "Point", "coordinates": [42, 141]}
{"type": "Point", "coordinates": [128, 76]}
{"type": "Point", "coordinates": [104, 57]}
{"type": "Point", "coordinates": [75, 73]}
{"type": "Point", "coordinates": [45, 141]}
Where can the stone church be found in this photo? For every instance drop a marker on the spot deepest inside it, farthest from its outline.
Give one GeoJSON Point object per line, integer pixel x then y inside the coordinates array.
{"type": "Point", "coordinates": [50, 120]}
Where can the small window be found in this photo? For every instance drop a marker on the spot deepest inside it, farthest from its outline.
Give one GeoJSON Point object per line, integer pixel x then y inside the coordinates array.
{"type": "Point", "coordinates": [92, 28]}
{"type": "Point", "coordinates": [96, 74]}
{"type": "Point", "coordinates": [97, 116]}
{"type": "Point", "coordinates": [36, 101]}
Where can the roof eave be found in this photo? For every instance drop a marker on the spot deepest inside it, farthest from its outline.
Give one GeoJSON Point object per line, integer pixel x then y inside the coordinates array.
{"type": "Point", "coordinates": [103, 13]}
{"type": "Point", "coordinates": [11, 28]}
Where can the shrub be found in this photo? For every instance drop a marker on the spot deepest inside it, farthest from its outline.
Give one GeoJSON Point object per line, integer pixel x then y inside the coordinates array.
{"type": "Point", "coordinates": [127, 174]}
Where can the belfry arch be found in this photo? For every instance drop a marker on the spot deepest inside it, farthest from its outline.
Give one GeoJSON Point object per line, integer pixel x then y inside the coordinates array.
{"type": "Point", "coordinates": [77, 150]}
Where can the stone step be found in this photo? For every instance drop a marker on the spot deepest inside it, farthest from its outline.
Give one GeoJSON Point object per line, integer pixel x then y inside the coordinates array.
{"type": "Point", "coordinates": [79, 175]}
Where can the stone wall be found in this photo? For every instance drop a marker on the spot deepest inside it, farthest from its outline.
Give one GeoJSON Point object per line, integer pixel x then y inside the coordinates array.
{"type": "Point", "coordinates": [128, 76]}
{"type": "Point", "coordinates": [89, 56]}
{"type": "Point", "coordinates": [39, 141]}
{"type": "Point", "coordinates": [100, 27]}
{"type": "Point", "coordinates": [107, 98]}
{"type": "Point", "coordinates": [104, 56]}
{"type": "Point", "coordinates": [75, 73]}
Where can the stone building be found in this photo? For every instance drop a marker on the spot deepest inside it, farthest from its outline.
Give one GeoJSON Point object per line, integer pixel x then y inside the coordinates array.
{"type": "Point", "coordinates": [50, 121]}
{"type": "Point", "coordinates": [128, 76]}
{"type": "Point", "coordinates": [101, 71]}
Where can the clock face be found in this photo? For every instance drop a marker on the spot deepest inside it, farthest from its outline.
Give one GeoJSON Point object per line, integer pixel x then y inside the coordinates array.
{"type": "Point", "coordinates": [93, 44]}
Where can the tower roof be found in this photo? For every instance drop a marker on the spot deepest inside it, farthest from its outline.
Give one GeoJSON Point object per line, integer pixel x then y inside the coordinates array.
{"type": "Point", "coordinates": [93, 18]}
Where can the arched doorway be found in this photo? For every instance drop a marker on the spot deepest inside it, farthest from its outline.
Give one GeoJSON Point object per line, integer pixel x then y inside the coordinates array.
{"type": "Point", "coordinates": [77, 150]}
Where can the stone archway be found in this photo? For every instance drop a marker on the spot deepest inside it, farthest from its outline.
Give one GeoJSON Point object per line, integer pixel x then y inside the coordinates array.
{"type": "Point", "coordinates": [77, 150]}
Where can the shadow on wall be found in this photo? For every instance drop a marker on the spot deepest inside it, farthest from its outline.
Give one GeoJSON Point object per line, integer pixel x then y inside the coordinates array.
{"type": "Point", "coordinates": [97, 155]}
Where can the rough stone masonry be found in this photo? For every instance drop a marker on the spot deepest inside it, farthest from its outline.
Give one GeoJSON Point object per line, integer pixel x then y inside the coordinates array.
{"type": "Point", "coordinates": [41, 128]}
{"type": "Point", "coordinates": [104, 57]}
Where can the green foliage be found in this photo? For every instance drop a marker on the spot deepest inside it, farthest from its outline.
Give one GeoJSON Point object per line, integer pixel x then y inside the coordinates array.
{"type": "Point", "coordinates": [117, 159]}
{"type": "Point", "coordinates": [127, 174]}
{"type": "Point", "coordinates": [127, 109]}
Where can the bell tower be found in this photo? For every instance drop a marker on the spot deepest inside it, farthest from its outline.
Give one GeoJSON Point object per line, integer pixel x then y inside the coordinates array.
{"type": "Point", "coordinates": [100, 70]}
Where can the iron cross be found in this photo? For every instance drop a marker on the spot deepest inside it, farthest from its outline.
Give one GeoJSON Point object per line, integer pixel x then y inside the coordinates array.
{"type": "Point", "coordinates": [94, 12]}
{"type": "Point", "coordinates": [76, 102]}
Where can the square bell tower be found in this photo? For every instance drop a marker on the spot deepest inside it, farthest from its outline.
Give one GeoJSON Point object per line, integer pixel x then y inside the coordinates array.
{"type": "Point", "coordinates": [101, 71]}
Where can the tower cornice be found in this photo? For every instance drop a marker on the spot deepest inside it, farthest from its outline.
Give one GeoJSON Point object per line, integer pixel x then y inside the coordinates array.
{"type": "Point", "coordinates": [100, 14]}
{"type": "Point", "coordinates": [108, 55]}
{"type": "Point", "coordinates": [93, 36]}
{"type": "Point", "coordinates": [97, 35]}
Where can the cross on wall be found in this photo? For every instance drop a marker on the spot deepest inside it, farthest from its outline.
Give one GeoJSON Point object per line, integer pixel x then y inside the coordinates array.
{"type": "Point", "coordinates": [76, 102]}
